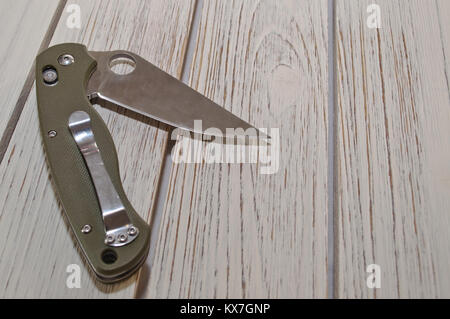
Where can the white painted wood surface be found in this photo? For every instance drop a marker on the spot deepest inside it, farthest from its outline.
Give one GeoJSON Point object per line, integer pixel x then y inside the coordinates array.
{"type": "Point", "coordinates": [393, 149]}
{"type": "Point", "coordinates": [24, 24]}
{"type": "Point", "coordinates": [227, 230]}
{"type": "Point", "coordinates": [36, 243]}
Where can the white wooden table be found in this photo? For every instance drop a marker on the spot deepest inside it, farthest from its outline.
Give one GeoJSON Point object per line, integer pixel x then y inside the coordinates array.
{"type": "Point", "coordinates": [364, 172]}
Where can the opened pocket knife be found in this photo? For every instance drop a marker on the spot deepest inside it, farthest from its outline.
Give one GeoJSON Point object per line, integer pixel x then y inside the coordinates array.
{"type": "Point", "coordinates": [81, 154]}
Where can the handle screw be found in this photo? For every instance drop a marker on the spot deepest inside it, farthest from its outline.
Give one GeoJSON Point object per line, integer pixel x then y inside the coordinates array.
{"type": "Point", "coordinates": [132, 231]}
{"type": "Point", "coordinates": [123, 238]}
{"type": "Point", "coordinates": [86, 229]}
{"type": "Point", "coordinates": [66, 59]}
{"type": "Point", "coordinates": [50, 76]}
{"type": "Point", "coordinates": [52, 134]}
{"type": "Point", "coordinates": [110, 239]}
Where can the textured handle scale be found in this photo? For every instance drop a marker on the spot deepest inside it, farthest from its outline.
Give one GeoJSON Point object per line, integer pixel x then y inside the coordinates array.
{"type": "Point", "coordinates": [69, 172]}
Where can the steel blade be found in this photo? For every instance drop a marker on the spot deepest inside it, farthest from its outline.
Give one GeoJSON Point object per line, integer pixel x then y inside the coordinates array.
{"type": "Point", "coordinates": [154, 93]}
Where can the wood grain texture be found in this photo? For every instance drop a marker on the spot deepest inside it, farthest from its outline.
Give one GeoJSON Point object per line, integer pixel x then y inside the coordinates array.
{"type": "Point", "coordinates": [24, 24]}
{"type": "Point", "coordinates": [36, 242]}
{"type": "Point", "coordinates": [227, 230]}
{"type": "Point", "coordinates": [393, 113]}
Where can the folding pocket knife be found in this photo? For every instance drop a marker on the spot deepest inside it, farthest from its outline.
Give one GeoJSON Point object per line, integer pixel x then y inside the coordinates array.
{"type": "Point", "coordinates": [81, 154]}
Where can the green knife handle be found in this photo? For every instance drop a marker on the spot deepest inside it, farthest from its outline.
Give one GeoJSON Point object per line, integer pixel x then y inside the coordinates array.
{"type": "Point", "coordinates": [56, 102]}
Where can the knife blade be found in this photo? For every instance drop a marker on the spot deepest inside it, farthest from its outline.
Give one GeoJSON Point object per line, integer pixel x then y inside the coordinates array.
{"type": "Point", "coordinates": [156, 94]}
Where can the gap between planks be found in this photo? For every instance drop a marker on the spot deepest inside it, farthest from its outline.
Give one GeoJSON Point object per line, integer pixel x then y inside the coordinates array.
{"type": "Point", "coordinates": [332, 146]}
{"type": "Point", "coordinates": [28, 85]}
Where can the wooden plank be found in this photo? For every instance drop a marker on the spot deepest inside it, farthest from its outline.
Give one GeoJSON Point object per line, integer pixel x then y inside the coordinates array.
{"type": "Point", "coordinates": [36, 243]}
{"type": "Point", "coordinates": [226, 229]}
{"type": "Point", "coordinates": [393, 158]}
{"type": "Point", "coordinates": [24, 25]}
